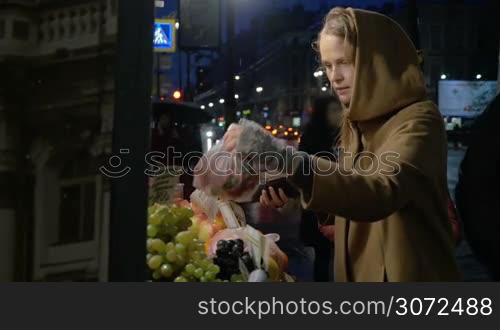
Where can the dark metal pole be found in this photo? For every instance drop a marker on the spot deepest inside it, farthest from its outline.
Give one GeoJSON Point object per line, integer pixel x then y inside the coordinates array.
{"type": "Point", "coordinates": [158, 74]}
{"type": "Point", "coordinates": [179, 52]}
{"type": "Point", "coordinates": [187, 92]}
{"type": "Point", "coordinates": [131, 132]}
{"type": "Point", "coordinates": [498, 79]}
{"type": "Point", "coordinates": [179, 56]}
{"type": "Point", "coordinates": [230, 102]}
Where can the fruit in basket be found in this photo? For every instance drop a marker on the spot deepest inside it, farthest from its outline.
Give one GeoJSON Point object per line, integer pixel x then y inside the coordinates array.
{"type": "Point", "coordinates": [156, 274]}
{"type": "Point", "coordinates": [167, 270]}
{"type": "Point", "coordinates": [198, 273]}
{"type": "Point", "coordinates": [280, 257]}
{"type": "Point", "coordinates": [158, 245]}
{"type": "Point", "coordinates": [175, 252]}
{"type": "Point", "coordinates": [152, 230]}
{"type": "Point", "coordinates": [184, 237]}
{"type": "Point", "coordinates": [190, 268]}
{"type": "Point", "coordinates": [180, 248]}
{"type": "Point", "coordinates": [273, 270]}
{"type": "Point", "coordinates": [155, 262]}
{"type": "Point", "coordinates": [219, 223]}
{"type": "Point", "coordinates": [228, 255]}
{"type": "Point", "coordinates": [180, 279]}
{"type": "Point", "coordinates": [205, 231]}
{"type": "Point", "coordinates": [182, 203]}
{"type": "Point", "coordinates": [149, 245]}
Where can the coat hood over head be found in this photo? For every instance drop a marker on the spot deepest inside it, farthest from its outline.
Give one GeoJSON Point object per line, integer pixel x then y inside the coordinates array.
{"type": "Point", "coordinates": [387, 75]}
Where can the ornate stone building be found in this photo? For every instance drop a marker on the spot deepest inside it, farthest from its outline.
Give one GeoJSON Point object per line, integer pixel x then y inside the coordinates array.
{"type": "Point", "coordinates": [56, 114]}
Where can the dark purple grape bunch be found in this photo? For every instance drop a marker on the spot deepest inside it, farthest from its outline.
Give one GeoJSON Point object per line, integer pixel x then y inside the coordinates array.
{"type": "Point", "coordinates": [227, 258]}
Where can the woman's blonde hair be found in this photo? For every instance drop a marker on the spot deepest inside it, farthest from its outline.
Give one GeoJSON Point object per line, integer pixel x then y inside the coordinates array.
{"type": "Point", "coordinates": [340, 22]}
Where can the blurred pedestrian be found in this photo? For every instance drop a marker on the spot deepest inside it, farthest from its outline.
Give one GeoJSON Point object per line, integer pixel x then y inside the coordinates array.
{"type": "Point", "coordinates": [320, 138]}
{"type": "Point", "coordinates": [478, 189]}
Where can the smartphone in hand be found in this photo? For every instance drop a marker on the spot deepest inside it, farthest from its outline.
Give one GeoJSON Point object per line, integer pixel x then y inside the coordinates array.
{"type": "Point", "coordinates": [289, 190]}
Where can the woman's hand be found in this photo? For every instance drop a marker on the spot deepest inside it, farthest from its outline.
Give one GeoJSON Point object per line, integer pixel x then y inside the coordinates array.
{"type": "Point", "coordinates": [232, 136]}
{"type": "Point", "coordinates": [328, 231]}
{"type": "Point", "coordinates": [273, 199]}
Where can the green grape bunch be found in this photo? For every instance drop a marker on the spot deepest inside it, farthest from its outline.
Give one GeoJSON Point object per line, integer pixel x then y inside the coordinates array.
{"type": "Point", "coordinates": [174, 252]}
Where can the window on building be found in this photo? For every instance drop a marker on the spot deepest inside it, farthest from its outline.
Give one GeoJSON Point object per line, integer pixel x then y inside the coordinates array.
{"type": "Point", "coordinates": [114, 7]}
{"type": "Point", "coordinates": [2, 28]}
{"type": "Point", "coordinates": [62, 31]}
{"type": "Point", "coordinates": [77, 211]}
{"type": "Point", "coordinates": [460, 36]}
{"type": "Point", "coordinates": [21, 30]}
{"type": "Point", "coordinates": [473, 36]}
{"type": "Point", "coordinates": [436, 37]}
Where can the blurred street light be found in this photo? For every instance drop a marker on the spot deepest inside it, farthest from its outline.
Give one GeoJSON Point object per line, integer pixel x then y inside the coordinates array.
{"type": "Point", "coordinates": [318, 74]}
{"type": "Point", "coordinates": [443, 76]}
{"type": "Point", "coordinates": [324, 88]}
{"type": "Point", "coordinates": [177, 95]}
{"type": "Point", "coordinates": [236, 77]}
{"type": "Point", "coordinates": [202, 107]}
{"type": "Point", "coordinates": [177, 25]}
{"type": "Point", "coordinates": [211, 105]}
{"type": "Point", "coordinates": [221, 101]}
{"type": "Point", "coordinates": [479, 76]}
{"type": "Point", "coordinates": [259, 89]}
{"type": "Point", "coordinates": [236, 96]}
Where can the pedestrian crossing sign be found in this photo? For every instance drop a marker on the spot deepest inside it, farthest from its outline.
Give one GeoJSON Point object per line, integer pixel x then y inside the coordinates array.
{"type": "Point", "coordinates": [164, 35]}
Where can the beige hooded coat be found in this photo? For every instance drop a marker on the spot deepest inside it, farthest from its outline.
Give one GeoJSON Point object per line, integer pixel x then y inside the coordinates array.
{"type": "Point", "coordinates": [391, 222]}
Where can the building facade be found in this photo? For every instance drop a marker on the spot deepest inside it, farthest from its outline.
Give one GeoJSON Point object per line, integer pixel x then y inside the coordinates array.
{"type": "Point", "coordinates": [56, 112]}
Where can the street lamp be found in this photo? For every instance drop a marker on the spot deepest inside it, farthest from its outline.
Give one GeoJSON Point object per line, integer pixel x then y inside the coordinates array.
{"type": "Point", "coordinates": [318, 74]}
{"type": "Point", "coordinates": [221, 101]}
{"type": "Point", "coordinates": [443, 76]}
{"type": "Point", "coordinates": [211, 105]}
{"type": "Point", "coordinates": [177, 95]}
{"type": "Point", "coordinates": [177, 25]}
{"type": "Point", "coordinates": [236, 77]}
{"type": "Point", "coordinates": [236, 96]}
{"type": "Point", "coordinates": [202, 107]}
{"type": "Point", "coordinates": [259, 89]}
{"type": "Point", "coordinates": [324, 88]}
{"type": "Point", "coordinates": [478, 76]}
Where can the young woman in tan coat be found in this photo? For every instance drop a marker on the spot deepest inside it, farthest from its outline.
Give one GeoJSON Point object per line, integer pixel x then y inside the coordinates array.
{"type": "Point", "coordinates": [389, 192]}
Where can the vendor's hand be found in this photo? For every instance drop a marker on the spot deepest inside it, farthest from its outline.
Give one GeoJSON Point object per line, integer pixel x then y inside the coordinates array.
{"type": "Point", "coordinates": [328, 231]}
{"type": "Point", "coordinates": [232, 136]}
{"type": "Point", "coordinates": [270, 198]}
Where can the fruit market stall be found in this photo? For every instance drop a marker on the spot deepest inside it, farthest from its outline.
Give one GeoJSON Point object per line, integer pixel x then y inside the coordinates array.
{"type": "Point", "coordinates": [207, 240]}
